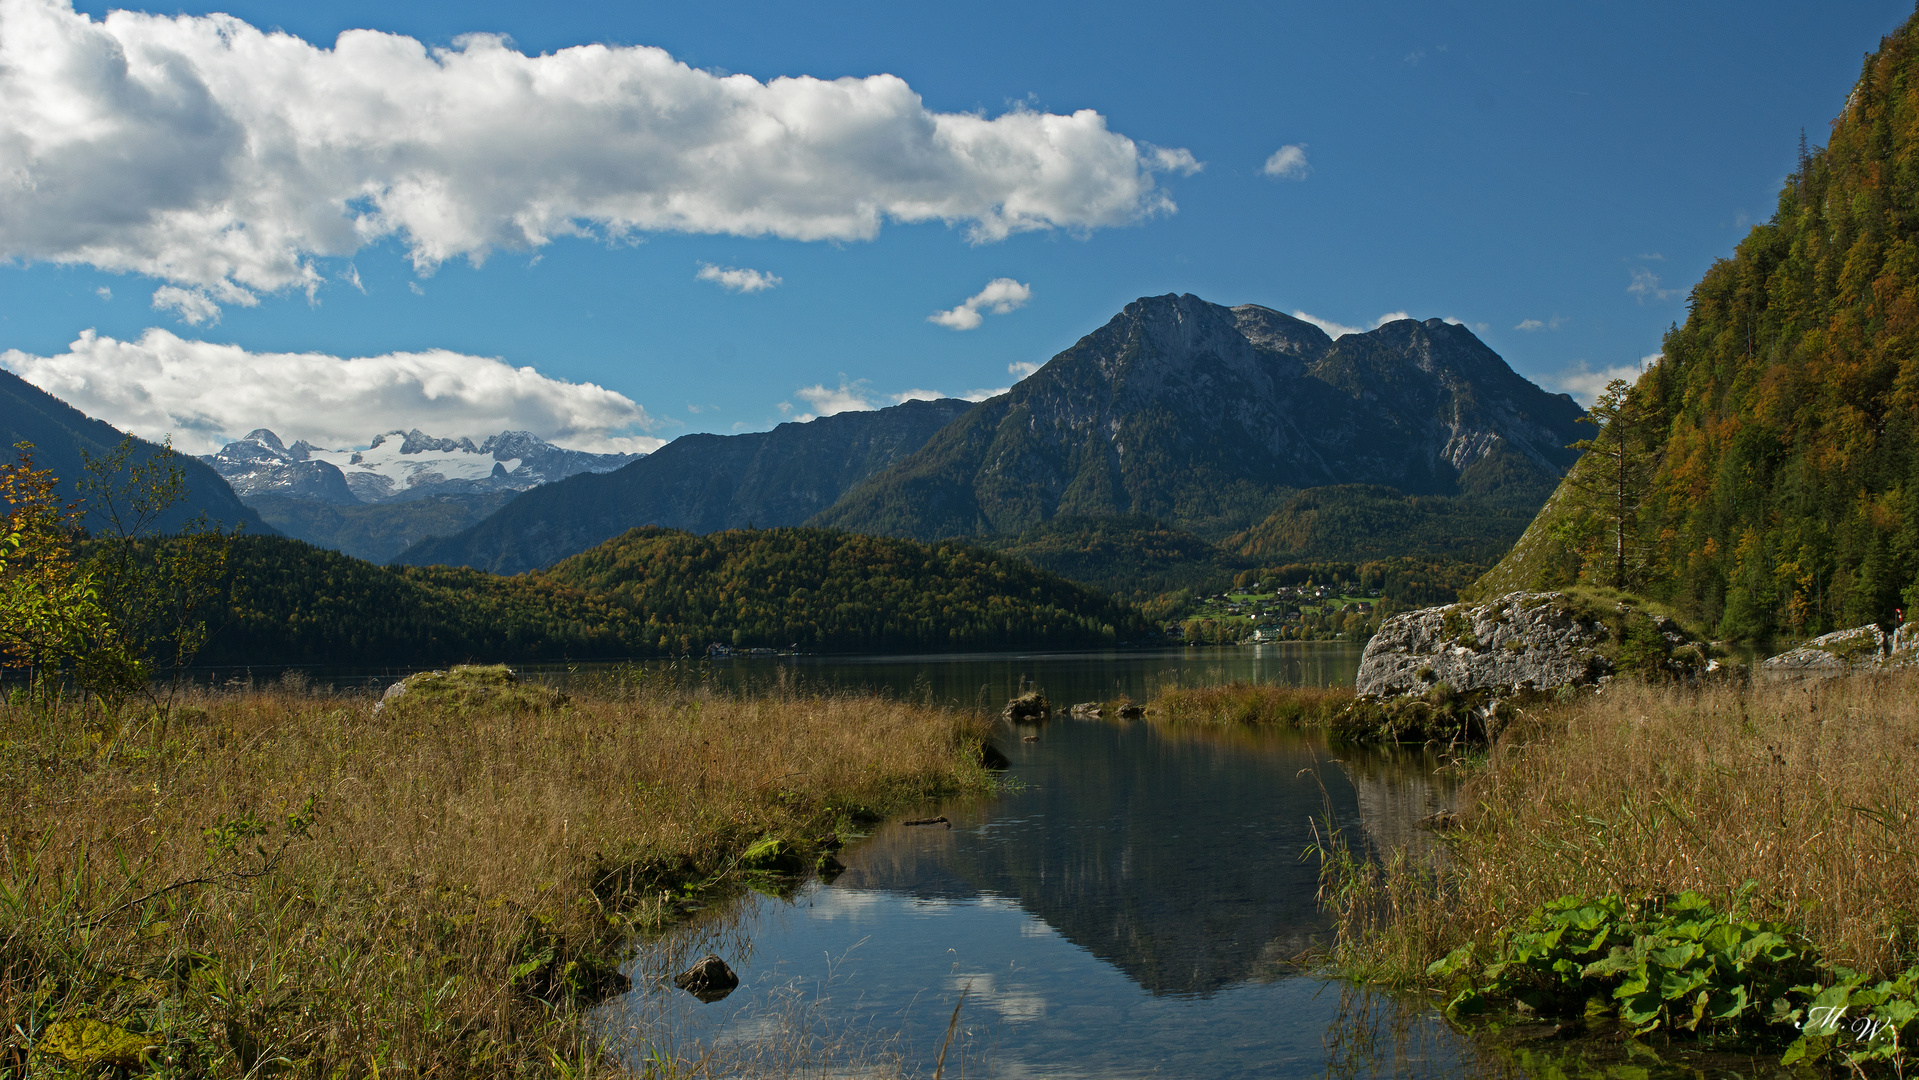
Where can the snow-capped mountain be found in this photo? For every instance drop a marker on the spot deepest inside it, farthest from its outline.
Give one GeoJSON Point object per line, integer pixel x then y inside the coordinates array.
{"type": "Point", "coordinates": [400, 465]}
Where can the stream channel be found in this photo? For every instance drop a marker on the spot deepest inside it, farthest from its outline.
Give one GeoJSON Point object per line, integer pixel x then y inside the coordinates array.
{"type": "Point", "coordinates": [1128, 906]}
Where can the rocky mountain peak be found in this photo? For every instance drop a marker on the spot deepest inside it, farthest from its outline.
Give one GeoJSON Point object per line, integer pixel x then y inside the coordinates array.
{"type": "Point", "coordinates": [1194, 412]}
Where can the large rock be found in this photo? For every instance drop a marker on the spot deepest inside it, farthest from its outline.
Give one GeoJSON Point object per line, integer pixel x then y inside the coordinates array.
{"type": "Point", "coordinates": [1520, 641]}
{"type": "Point", "coordinates": [1861, 648]}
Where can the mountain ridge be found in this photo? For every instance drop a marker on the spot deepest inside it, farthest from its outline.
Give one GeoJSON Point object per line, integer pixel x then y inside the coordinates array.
{"type": "Point", "coordinates": [699, 483]}
{"type": "Point", "coordinates": [1208, 417]}
{"type": "Point", "coordinates": [63, 437]}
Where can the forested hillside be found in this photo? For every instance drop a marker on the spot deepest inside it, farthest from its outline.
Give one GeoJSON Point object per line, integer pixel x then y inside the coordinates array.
{"type": "Point", "coordinates": [1136, 557]}
{"type": "Point", "coordinates": [1763, 475]}
{"type": "Point", "coordinates": [655, 592]}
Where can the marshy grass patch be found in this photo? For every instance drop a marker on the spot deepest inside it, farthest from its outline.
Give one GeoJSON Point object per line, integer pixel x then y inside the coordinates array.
{"type": "Point", "coordinates": [282, 880]}
{"type": "Point", "coordinates": [1252, 704]}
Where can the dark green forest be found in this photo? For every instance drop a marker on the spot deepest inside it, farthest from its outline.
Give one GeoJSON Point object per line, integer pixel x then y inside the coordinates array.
{"type": "Point", "coordinates": [1133, 556]}
{"type": "Point", "coordinates": [1773, 480]}
{"type": "Point", "coordinates": [652, 592]}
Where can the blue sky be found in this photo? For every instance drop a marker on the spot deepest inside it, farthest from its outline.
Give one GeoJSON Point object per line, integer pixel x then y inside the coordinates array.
{"type": "Point", "coordinates": [1554, 176]}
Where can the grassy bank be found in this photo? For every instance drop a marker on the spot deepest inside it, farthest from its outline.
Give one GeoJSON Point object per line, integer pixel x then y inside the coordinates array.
{"type": "Point", "coordinates": [279, 880]}
{"type": "Point", "coordinates": [1629, 801]}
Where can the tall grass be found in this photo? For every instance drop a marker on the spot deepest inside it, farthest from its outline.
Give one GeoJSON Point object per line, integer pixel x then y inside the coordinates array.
{"type": "Point", "coordinates": [1248, 703]}
{"type": "Point", "coordinates": [276, 879]}
{"type": "Point", "coordinates": [1807, 789]}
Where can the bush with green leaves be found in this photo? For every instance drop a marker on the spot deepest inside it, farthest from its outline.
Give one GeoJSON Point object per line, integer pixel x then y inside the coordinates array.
{"type": "Point", "coordinates": [1680, 964]}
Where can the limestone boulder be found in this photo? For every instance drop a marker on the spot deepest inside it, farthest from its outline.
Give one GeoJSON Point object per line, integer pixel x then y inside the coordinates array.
{"type": "Point", "coordinates": [1519, 640]}
{"type": "Point", "coordinates": [1860, 648]}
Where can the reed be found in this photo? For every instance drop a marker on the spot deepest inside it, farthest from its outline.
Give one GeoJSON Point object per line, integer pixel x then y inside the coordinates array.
{"type": "Point", "coordinates": [1805, 789]}
{"type": "Point", "coordinates": [1246, 703]}
{"type": "Point", "coordinates": [264, 880]}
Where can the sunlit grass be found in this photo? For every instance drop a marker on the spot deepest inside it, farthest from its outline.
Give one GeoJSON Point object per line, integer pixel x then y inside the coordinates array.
{"type": "Point", "coordinates": [278, 878]}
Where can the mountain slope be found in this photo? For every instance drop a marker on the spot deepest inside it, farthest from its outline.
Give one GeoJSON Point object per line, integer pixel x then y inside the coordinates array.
{"type": "Point", "coordinates": [1133, 557]}
{"type": "Point", "coordinates": [1782, 491]}
{"type": "Point", "coordinates": [376, 532]}
{"type": "Point", "coordinates": [698, 483]}
{"type": "Point", "coordinates": [62, 436]}
{"type": "Point", "coordinates": [1207, 417]}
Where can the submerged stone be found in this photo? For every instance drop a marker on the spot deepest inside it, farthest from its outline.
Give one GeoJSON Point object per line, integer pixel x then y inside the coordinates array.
{"type": "Point", "coordinates": [709, 979]}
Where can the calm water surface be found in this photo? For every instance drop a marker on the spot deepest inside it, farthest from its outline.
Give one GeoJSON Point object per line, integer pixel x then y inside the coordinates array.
{"type": "Point", "coordinates": [1128, 908]}
{"type": "Point", "coordinates": [967, 679]}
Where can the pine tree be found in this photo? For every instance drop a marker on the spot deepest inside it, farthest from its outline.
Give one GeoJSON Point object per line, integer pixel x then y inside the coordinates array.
{"type": "Point", "coordinates": [1613, 491]}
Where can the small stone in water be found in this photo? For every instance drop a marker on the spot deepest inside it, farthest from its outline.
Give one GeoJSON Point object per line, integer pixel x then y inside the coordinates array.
{"type": "Point", "coordinates": [709, 979]}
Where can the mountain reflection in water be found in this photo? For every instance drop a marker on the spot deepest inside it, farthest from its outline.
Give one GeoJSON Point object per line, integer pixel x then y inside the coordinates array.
{"type": "Point", "coordinates": [1128, 908]}
{"type": "Point", "coordinates": [1174, 857]}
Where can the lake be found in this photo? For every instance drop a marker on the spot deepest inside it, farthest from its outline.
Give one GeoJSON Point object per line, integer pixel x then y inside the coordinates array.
{"type": "Point", "coordinates": [1130, 906]}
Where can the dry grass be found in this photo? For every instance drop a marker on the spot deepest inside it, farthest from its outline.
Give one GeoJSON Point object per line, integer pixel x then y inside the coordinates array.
{"type": "Point", "coordinates": [1252, 703]}
{"type": "Point", "coordinates": [474, 865]}
{"type": "Point", "coordinates": [1807, 789]}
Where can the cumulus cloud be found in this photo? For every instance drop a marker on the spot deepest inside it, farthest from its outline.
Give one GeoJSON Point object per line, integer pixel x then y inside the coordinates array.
{"type": "Point", "coordinates": [828, 401]}
{"type": "Point", "coordinates": [1645, 286]}
{"type": "Point", "coordinates": [1000, 296]}
{"type": "Point", "coordinates": [204, 394]}
{"type": "Point", "coordinates": [1021, 368]}
{"type": "Point", "coordinates": [1288, 163]}
{"type": "Point", "coordinates": [1337, 330]}
{"type": "Point", "coordinates": [1534, 325]}
{"type": "Point", "coordinates": [1585, 383]}
{"type": "Point", "coordinates": [223, 159]}
{"type": "Point", "coordinates": [859, 396]}
{"type": "Point", "coordinates": [103, 293]}
{"type": "Point", "coordinates": [733, 279]}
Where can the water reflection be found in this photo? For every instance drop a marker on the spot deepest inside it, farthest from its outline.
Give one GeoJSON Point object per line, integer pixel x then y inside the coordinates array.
{"type": "Point", "coordinates": [1130, 909]}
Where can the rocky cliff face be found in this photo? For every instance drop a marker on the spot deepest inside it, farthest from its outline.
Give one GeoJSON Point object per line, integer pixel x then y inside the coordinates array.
{"type": "Point", "coordinates": [1207, 416]}
{"type": "Point", "coordinates": [699, 483]}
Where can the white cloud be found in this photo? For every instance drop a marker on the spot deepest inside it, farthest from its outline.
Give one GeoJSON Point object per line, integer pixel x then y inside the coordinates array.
{"type": "Point", "coordinates": [1173, 161]}
{"type": "Point", "coordinates": [1586, 384]}
{"type": "Point", "coordinates": [737, 280]}
{"type": "Point", "coordinates": [826, 401]}
{"type": "Point", "coordinates": [1021, 368]}
{"type": "Point", "coordinates": [1535, 325]}
{"type": "Point", "coordinates": [1000, 296]}
{"type": "Point", "coordinates": [1288, 163]}
{"type": "Point", "coordinates": [1645, 286]}
{"type": "Point", "coordinates": [204, 394]}
{"type": "Point", "coordinates": [217, 157]}
{"type": "Point", "coordinates": [103, 293]}
{"type": "Point", "coordinates": [194, 307]}
{"type": "Point", "coordinates": [858, 396]}
{"type": "Point", "coordinates": [1339, 330]}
